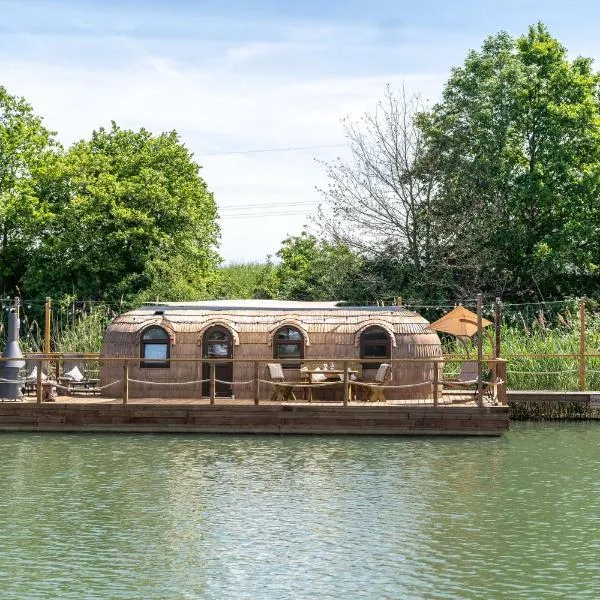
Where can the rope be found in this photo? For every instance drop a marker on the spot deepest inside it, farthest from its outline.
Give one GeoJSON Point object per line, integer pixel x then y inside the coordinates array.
{"type": "Point", "coordinates": [511, 372]}
{"type": "Point", "coordinates": [300, 385]}
{"type": "Point", "coordinates": [235, 382]}
{"type": "Point", "coordinates": [460, 383]}
{"type": "Point", "coordinates": [169, 382]}
{"type": "Point", "coordinates": [393, 387]}
{"type": "Point", "coordinates": [108, 385]}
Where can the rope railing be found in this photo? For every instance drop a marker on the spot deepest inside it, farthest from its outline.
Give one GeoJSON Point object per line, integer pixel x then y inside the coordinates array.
{"type": "Point", "coordinates": [168, 382]}
{"type": "Point", "coordinates": [561, 372]}
{"type": "Point", "coordinates": [392, 387]}
{"type": "Point", "coordinates": [350, 389]}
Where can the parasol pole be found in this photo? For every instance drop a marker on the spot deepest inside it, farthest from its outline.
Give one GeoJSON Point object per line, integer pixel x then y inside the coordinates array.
{"type": "Point", "coordinates": [479, 349]}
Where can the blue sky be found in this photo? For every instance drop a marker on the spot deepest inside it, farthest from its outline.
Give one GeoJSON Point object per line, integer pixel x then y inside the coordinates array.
{"type": "Point", "coordinates": [234, 76]}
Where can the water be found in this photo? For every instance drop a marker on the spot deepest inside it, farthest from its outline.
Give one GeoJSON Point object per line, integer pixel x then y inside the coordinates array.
{"type": "Point", "coordinates": [170, 517]}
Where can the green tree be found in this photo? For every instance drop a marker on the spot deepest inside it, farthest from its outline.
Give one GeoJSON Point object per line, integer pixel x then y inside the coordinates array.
{"type": "Point", "coordinates": [314, 269]}
{"type": "Point", "coordinates": [516, 146]}
{"type": "Point", "coordinates": [247, 280]}
{"type": "Point", "coordinates": [25, 145]}
{"type": "Point", "coordinates": [131, 218]}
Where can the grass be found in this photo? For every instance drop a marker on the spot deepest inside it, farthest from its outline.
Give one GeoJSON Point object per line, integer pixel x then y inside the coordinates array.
{"type": "Point", "coordinates": [550, 332]}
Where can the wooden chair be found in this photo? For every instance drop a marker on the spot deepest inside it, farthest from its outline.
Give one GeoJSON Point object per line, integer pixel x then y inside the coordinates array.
{"type": "Point", "coordinates": [74, 377]}
{"type": "Point", "coordinates": [281, 392]}
{"type": "Point", "coordinates": [30, 381]}
{"type": "Point", "coordinates": [467, 379]}
{"type": "Point", "coordinates": [374, 392]}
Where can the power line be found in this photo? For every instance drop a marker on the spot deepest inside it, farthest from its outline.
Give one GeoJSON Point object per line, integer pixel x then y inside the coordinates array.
{"type": "Point", "coordinates": [264, 214]}
{"type": "Point", "coordinates": [242, 207]}
{"type": "Point", "coordinates": [262, 150]}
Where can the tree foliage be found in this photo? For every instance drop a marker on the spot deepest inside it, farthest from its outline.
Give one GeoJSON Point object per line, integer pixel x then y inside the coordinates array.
{"type": "Point", "coordinates": [25, 145]}
{"type": "Point", "coordinates": [315, 269]}
{"type": "Point", "coordinates": [131, 217]}
{"type": "Point", "coordinates": [378, 200]}
{"type": "Point", "coordinates": [493, 189]}
{"type": "Point", "coordinates": [247, 280]}
{"type": "Point", "coordinates": [515, 143]}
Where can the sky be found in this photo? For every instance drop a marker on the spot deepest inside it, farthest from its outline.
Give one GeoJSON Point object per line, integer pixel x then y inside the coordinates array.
{"type": "Point", "coordinates": [257, 89]}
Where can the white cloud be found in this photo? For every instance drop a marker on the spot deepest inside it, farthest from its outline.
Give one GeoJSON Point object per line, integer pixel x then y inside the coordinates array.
{"type": "Point", "coordinates": [223, 104]}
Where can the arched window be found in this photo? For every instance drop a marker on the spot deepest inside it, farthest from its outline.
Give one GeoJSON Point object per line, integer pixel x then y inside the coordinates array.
{"type": "Point", "coordinates": [155, 348]}
{"type": "Point", "coordinates": [288, 343]}
{"type": "Point", "coordinates": [217, 344]}
{"type": "Point", "coordinates": [375, 342]}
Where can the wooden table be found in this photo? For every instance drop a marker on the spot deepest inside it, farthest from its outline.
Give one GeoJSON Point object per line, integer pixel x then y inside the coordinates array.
{"type": "Point", "coordinates": [330, 375]}
{"type": "Point", "coordinates": [86, 386]}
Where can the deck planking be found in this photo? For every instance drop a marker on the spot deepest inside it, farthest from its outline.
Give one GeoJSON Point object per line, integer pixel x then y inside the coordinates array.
{"type": "Point", "coordinates": [243, 416]}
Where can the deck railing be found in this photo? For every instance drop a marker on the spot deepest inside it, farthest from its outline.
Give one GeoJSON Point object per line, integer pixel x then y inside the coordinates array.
{"type": "Point", "coordinates": [54, 363]}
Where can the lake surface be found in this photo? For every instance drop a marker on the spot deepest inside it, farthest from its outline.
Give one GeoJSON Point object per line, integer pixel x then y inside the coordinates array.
{"type": "Point", "coordinates": [183, 516]}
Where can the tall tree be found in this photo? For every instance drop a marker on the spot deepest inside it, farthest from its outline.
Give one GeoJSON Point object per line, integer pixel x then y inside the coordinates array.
{"type": "Point", "coordinates": [516, 146]}
{"type": "Point", "coordinates": [378, 201]}
{"type": "Point", "coordinates": [132, 218]}
{"type": "Point", "coordinates": [313, 269]}
{"type": "Point", "coordinates": [25, 145]}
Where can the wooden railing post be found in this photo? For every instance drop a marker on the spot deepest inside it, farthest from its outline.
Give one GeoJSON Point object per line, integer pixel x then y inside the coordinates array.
{"type": "Point", "coordinates": [582, 345]}
{"type": "Point", "coordinates": [479, 349]}
{"type": "Point", "coordinates": [47, 324]}
{"type": "Point", "coordinates": [212, 383]}
{"type": "Point", "coordinates": [256, 383]}
{"type": "Point", "coordinates": [125, 382]}
{"type": "Point", "coordinates": [503, 385]}
{"type": "Point", "coordinates": [436, 368]}
{"type": "Point", "coordinates": [38, 383]}
{"type": "Point", "coordinates": [346, 386]}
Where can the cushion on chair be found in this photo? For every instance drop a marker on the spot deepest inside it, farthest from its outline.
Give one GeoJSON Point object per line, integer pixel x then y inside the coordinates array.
{"type": "Point", "coordinates": [275, 371]}
{"type": "Point", "coordinates": [74, 375]}
{"type": "Point", "coordinates": [317, 377]}
{"type": "Point", "coordinates": [382, 373]}
{"type": "Point", "coordinates": [33, 375]}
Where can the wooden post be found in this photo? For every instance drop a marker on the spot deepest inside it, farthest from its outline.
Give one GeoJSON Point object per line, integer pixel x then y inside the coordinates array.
{"type": "Point", "coordinates": [582, 345]}
{"type": "Point", "coordinates": [497, 343]}
{"type": "Point", "coordinates": [479, 349]}
{"type": "Point", "coordinates": [503, 386]}
{"type": "Point", "coordinates": [256, 383]}
{"type": "Point", "coordinates": [346, 386]}
{"type": "Point", "coordinates": [212, 383]}
{"type": "Point", "coordinates": [436, 367]}
{"type": "Point", "coordinates": [38, 383]}
{"type": "Point", "coordinates": [497, 327]}
{"type": "Point", "coordinates": [125, 383]}
{"type": "Point", "coordinates": [47, 324]}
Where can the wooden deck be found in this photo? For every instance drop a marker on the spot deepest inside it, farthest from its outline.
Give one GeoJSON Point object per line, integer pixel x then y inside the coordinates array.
{"type": "Point", "coordinates": [227, 415]}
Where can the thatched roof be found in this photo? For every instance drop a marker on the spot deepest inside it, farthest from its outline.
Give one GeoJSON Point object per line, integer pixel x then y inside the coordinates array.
{"type": "Point", "coordinates": [272, 305]}
{"type": "Point", "coordinates": [268, 315]}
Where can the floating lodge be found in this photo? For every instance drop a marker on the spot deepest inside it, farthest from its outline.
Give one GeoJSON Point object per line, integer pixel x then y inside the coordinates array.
{"type": "Point", "coordinates": [270, 331]}
{"type": "Point", "coordinates": [163, 366]}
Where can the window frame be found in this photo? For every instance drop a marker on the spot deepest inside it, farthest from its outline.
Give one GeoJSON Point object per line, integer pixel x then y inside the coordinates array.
{"type": "Point", "coordinates": [301, 343]}
{"type": "Point", "coordinates": [148, 363]}
{"type": "Point", "coordinates": [363, 342]}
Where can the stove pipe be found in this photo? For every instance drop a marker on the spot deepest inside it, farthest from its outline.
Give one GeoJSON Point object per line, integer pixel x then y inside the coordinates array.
{"type": "Point", "coordinates": [10, 386]}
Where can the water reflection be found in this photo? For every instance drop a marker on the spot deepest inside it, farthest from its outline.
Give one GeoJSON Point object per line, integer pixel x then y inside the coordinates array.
{"type": "Point", "coordinates": [300, 517]}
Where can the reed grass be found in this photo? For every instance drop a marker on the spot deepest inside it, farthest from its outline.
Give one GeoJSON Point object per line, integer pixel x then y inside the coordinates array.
{"type": "Point", "coordinates": [545, 333]}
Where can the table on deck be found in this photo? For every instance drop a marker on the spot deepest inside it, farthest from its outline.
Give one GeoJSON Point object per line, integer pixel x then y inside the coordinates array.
{"type": "Point", "coordinates": [330, 376]}
{"type": "Point", "coordinates": [86, 386]}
